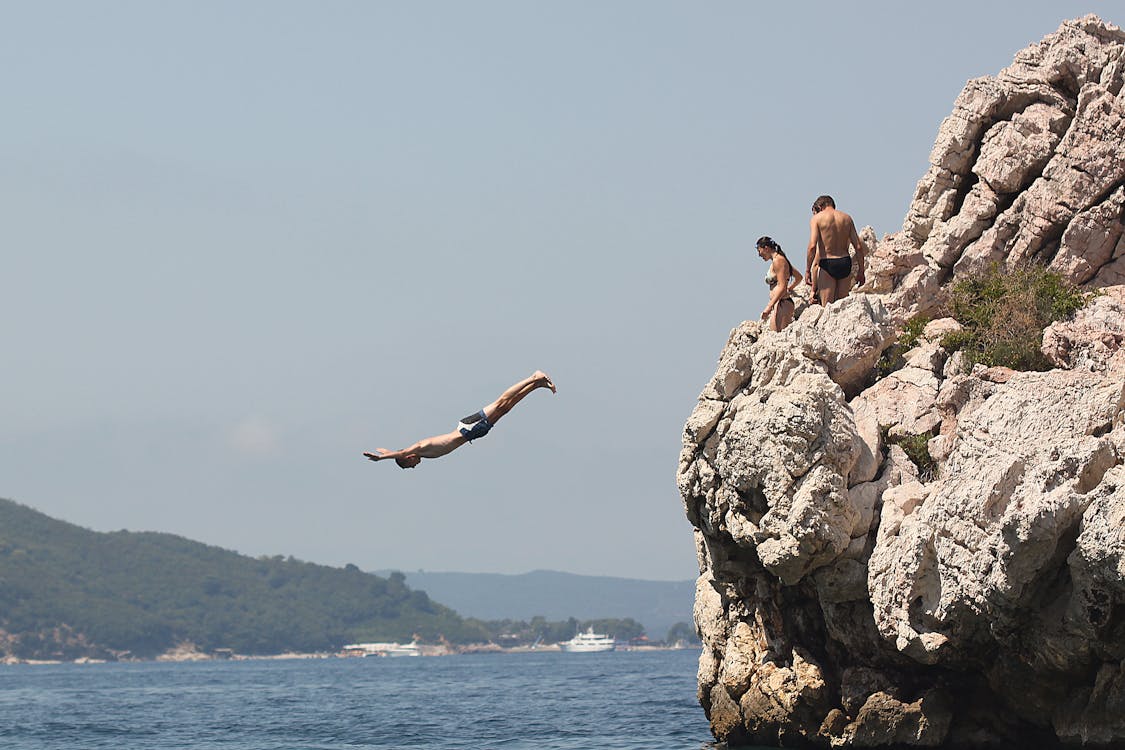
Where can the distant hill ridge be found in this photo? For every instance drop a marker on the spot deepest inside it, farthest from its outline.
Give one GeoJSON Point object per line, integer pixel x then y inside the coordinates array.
{"type": "Point", "coordinates": [556, 596]}
{"type": "Point", "coordinates": [68, 592]}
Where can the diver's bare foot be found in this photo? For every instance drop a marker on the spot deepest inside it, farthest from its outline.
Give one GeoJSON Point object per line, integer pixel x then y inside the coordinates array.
{"type": "Point", "coordinates": [382, 453]}
{"type": "Point", "coordinates": [546, 380]}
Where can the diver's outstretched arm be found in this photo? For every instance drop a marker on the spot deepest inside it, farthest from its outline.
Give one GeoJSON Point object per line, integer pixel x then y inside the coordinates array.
{"type": "Point", "coordinates": [433, 447]}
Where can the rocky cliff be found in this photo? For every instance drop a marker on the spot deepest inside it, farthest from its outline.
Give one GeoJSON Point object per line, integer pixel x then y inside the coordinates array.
{"type": "Point", "coordinates": [848, 596]}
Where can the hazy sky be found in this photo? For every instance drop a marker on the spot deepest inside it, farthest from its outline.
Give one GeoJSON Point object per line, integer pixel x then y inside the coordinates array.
{"type": "Point", "coordinates": [244, 242]}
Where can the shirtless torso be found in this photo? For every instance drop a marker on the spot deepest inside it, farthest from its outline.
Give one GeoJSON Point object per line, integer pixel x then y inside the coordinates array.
{"type": "Point", "coordinates": [832, 234]}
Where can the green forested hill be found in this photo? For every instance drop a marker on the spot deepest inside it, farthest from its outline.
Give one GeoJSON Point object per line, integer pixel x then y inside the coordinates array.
{"type": "Point", "coordinates": [67, 592]}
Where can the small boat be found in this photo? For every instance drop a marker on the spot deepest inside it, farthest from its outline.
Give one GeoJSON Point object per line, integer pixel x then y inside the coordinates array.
{"type": "Point", "coordinates": [382, 649]}
{"type": "Point", "coordinates": [588, 642]}
{"type": "Point", "coordinates": [404, 649]}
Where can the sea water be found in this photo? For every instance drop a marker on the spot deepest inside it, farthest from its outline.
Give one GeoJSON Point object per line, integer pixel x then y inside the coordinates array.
{"type": "Point", "coordinates": [625, 700]}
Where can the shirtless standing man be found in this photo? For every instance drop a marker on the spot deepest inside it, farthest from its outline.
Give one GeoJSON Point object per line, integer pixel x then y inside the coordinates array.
{"type": "Point", "coordinates": [829, 267]}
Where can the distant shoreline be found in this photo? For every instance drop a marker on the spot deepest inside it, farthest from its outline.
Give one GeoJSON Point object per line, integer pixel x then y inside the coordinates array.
{"type": "Point", "coordinates": [185, 655]}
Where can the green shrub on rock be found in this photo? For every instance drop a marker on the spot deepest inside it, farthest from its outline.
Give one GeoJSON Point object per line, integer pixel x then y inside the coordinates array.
{"type": "Point", "coordinates": [917, 449]}
{"type": "Point", "coordinates": [893, 357]}
{"type": "Point", "coordinates": [1003, 314]}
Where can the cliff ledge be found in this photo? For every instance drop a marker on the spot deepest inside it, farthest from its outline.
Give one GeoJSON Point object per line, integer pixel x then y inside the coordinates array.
{"type": "Point", "coordinates": [848, 596]}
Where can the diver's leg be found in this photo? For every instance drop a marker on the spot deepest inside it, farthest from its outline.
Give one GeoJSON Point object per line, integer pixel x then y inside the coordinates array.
{"type": "Point", "coordinates": [515, 394]}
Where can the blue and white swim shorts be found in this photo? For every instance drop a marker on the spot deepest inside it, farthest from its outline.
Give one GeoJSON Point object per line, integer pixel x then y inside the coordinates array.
{"type": "Point", "coordinates": [474, 426]}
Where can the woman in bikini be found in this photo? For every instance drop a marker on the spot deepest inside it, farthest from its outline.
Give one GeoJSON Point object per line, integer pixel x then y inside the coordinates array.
{"type": "Point", "coordinates": [782, 279]}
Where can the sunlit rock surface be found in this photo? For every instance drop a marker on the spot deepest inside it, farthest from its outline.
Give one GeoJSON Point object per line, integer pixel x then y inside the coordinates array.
{"type": "Point", "coordinates": [848, 597]}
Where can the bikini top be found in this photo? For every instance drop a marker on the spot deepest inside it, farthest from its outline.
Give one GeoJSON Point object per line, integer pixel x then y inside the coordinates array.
{"type": "Point", "coordinates": [771, 277]}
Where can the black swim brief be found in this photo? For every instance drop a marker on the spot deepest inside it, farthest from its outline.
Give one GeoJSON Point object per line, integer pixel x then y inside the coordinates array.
{"type": "Point", "coordinates": [837, 268]}
{"type": "Point", "coordinates": [474, 426]}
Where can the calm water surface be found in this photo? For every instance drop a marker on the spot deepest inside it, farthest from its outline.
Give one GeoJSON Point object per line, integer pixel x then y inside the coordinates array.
{"type": "Point", "coordinates": [547, 701]}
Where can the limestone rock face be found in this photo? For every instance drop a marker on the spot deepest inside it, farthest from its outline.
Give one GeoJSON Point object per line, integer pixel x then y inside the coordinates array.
{"type": "Point", "coordinates": [1094, 338]}
{"type": "Point", "coordinates": [1027, 167]}
{"type": "Point", "coordinates": [851, 595]}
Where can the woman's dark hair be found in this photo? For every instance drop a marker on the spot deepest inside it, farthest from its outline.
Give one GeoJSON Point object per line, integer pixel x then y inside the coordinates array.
{"type": "Point", "coordinates": [766, 241]}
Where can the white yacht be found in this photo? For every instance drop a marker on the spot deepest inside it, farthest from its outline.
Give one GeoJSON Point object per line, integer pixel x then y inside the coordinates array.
{"type": "Point", "coordinates": [588, 642]}
{"type": "Point", "coordinates": [382, 649]}
{"type": "Point", "coordinates": [403, 649]}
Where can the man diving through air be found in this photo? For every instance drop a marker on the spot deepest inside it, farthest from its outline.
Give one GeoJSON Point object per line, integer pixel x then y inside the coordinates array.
{"type": "Point", "coordinates": [468, 429]}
